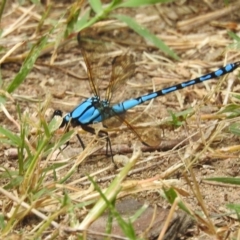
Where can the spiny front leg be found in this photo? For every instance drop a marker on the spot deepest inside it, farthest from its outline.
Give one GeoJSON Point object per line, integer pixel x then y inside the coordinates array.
{"type": "Point", "coordinates": [101, 133]}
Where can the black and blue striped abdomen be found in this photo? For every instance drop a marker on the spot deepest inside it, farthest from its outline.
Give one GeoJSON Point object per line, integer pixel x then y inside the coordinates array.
{"type": "Point", "coordinates": [94, 110]}
{"type": "Point", "coordinates": [128, 104]}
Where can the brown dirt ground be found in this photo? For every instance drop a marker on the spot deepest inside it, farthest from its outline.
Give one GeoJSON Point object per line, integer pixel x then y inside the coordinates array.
{"type": "Point", "coordinates": [198, 32]}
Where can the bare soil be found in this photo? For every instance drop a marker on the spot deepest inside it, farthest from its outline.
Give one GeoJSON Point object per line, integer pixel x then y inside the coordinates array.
{"type": "Point", "coordinates": [198, 32]}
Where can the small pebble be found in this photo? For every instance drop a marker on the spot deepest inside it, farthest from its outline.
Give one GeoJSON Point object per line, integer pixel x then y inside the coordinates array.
{"type": "Point", "coordinates": [120, 160]}
{"type": "Point", "coordinates": [11, 153]}
{"type": "Point", "coordinates": [51, 81]}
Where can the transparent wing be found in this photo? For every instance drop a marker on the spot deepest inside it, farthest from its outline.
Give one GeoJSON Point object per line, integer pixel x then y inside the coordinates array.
{"type": "Point", "coordinates": [142, 125]}
{"type": "Point", "coordinates": [111, 73]}
{"type": "Point", "coordinates": [145, 127]}
{"type": "Point", "coordinates": [123, 68]}
{"type": "Point", "coordinates": [98, 63]}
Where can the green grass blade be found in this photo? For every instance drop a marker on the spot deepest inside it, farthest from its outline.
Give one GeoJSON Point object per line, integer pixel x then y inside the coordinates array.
{"type": "Point", "coordinates": [14, 182]}
{"type": "Point", "coordinates": [234, 36]}
{"type": "Point", "coordinates": [45, 127]}
{"type": "Point", "coordinates": [71, 20]}
{"type": "Point", "coordinates": [13, 138]}
{"type": "Point", "coordinates": [147, 35]}
{"type": "Point", "coordinates": [111, 193]}
{"type": "Point", "coordinates": [101, 13]}
{"type": "Point", "coordinates": [1, 81]}
{"type": "Point", "coordinates": [96, 6]}
{"type": "Point", "coordinates": [2, 8]}
{"type": "Point", "coordinates": [82, 22]}
{"type": "Point", "coordinates": [27, 64]}
{"type": "Point", "coordinates": [21, 150]}
{"type": "Point", "coordinates": [229, 180]}
{"type": "Point", "coordinates": [234, 129]}
{"type": "Point", "coordinates": [171, 195]}
{"type": "Point", "coordinates": [126, 226]}
{"type": "Point", "coordinates": [138, 3]}
{"type": "Point", "coordinates": [43, 18]}
{"type": "Point", "coordinates": [29, 174]}
{"type": "Point", "coordinates": [2, 221]}
{"type": "Point", "coordinates": [235, 208]}
{"type": "Point", "coordinates": [139, 212]}
{"type": "Point", "coordinates": [64, 139]}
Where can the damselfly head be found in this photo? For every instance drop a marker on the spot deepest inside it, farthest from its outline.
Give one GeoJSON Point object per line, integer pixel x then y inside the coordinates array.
{"type": "Point", "coordinates": [59, 114]}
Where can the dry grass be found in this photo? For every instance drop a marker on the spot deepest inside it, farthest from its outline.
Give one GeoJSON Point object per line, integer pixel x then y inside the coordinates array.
{"type": "Point", "coordinates": [43, 195]}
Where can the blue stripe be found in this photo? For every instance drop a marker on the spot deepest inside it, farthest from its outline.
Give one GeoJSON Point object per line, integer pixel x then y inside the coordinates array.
{"type": "Point", "coordinates": [79, 110]}
{"type": "Point", "coordinates": [149, 97]}
{"type": "Point", "coordinates": [205, 77]}
{"type": "Point", "coordinates": [188, 83]}
{"type": "Point", "coordinates": [168, 90]}
{"type": "Point", "coordinates": [124, 106]}
{"type": "Point", "coordinates": [96, 117]}
{"type": "Point", "coordinates": [92, 115]}
{"type": "Point", "coordinates": [118, 108]}
{"type": "Point", "coordinates": [67, 117]}
{"type": "Point", "coordinates": [219, 72]}
{"type": "Point", "coordinates": [87, 114]}
{"type": "Point", "coordinates": [229, 67]}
